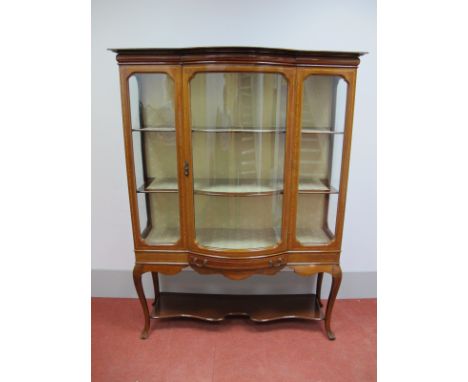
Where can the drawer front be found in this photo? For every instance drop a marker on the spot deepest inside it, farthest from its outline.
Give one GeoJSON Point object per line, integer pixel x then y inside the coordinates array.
{"type": "Point", "coordinates": [274, 263]}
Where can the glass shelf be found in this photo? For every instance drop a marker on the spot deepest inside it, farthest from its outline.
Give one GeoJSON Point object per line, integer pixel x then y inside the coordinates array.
{"type": "Point", "coordinates": [163, 129]}
{"type": "Point", "coordinates": [314, 130]}
{"type": "Point", "coordinates": [237, 130]}
{"type": "Point", "coordinates": [160, 185]}
{"type": "Point", "coordinates": [315, 186]}
{"type": "Point", "coordinates": [239, 187]}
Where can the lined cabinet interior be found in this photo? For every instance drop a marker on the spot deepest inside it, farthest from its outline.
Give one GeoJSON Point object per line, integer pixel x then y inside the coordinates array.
{"type": "Point", "coordinates": [152, 109]}
{"type": "Point", "coordinates": [238, 128]}
{"type": "Point", "coordinates": [321, 148]}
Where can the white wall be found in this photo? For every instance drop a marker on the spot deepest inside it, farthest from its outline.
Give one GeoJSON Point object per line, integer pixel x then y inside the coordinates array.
{"type": "Point", "coordinates": [311, 25]}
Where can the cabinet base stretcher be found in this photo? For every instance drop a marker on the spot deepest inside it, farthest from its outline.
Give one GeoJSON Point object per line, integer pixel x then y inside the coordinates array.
{"type": "Point", "coordinates": [258, 308]}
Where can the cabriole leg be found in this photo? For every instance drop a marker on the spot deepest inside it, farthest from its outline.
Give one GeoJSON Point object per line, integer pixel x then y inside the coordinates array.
{"type": "Point", "coordinates": [137, 273]}
{"type": "Point", "coordinates": [156, 286]}
{"type": "Point", "coordinates": [336, 281]}
{"type": "Point", "coordinates": [318, 289]}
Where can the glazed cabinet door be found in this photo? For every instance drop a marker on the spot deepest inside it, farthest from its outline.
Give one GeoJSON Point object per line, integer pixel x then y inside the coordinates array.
{"type": "Point", "coordinates": [238, 125]}
{"type": "Point", "coordinates": [153, 138]}
{"type": "Point", "coordinates": [324, 118]}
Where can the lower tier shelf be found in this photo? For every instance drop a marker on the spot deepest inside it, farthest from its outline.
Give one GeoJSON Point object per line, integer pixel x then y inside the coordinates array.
{"type": "Point", "coordinates": [216, 307]}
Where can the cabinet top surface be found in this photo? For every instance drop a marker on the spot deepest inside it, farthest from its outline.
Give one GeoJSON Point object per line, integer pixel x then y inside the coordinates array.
{"type": "Point", "coordinates": [236, 50]}
{"type": "Point", "coordinates": [227, 53]}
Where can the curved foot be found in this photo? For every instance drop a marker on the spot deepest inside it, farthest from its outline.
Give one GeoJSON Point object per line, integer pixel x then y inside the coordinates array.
{"type": "Point", "coordinates": [137, 272]}
{"type": "Point", "coordinates": [336, 281]}
{"type": "Point", "coordinates": [331, 335]}
{"type": "Point", "coordinates": [144, 334]}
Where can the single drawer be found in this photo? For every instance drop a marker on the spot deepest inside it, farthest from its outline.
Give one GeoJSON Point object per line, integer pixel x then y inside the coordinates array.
{"type": "Point", "coordinates": [239, 264]}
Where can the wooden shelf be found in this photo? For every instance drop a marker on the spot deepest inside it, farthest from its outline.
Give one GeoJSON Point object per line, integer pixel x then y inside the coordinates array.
{"type": "Point", "coordinates": [237, 238]}
{"type": "Point", "coordinates": [216, 307]}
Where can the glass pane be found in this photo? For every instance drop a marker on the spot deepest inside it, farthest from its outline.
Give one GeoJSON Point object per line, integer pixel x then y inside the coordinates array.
{"type": "Point", "coordinates": [316, 218]}
{"type": "Point", "coordinates": [320, 162]}
{"type": "Point", "coordinates": [159, 217]}
{"type": "Point", "coordinates": [322, 128]}
{"type": "Point", "coordinates": [324, 103]}
{"type": "Point", "coordinates": [238, 138]}
{"type": "Point", "coordinates": [243, 101]}
{"type": "Point", "coordinates": [155, 156]}
{"type": "Point", "coordinates": [238, 222]}
{"type": "Point", "coordinates": [152, 101]}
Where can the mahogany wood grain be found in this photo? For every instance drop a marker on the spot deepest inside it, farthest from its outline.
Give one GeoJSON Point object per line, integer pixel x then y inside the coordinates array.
{"type": "Point", "coordinates": [233, 55]}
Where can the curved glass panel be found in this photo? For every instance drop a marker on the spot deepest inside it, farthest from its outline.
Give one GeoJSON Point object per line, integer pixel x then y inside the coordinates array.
{"type": "Point", "coordinates": [238, 138]}
{"type": "Point", "coordinates": [322, 131]}
{"type": "Point", "coordinates": [155, 156]}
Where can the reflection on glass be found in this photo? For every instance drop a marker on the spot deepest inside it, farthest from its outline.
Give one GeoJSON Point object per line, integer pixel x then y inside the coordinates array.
{"type": "Point", "coordinates": [316, 218]}
{"type": "Point", "coordinates": [159, 217]}
{"type": "Point", "coordinates": [238, 126]}
{"type": "Point", "coordinates": [322, 127]}
{"type": "Point", "coordinates": [155, 156]}
{"type": "Point", "coordinates": [238, 222]}
{"type": "Point", "coordinates": [324, 103]}
{"type": "Point", "coordinates": [243, 101]}
{"type": "Point", "coordinates": [320, 161]}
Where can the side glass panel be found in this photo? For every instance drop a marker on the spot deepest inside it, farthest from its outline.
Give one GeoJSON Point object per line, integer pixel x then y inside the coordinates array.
{"type": "Point", "coordinates": [155, 156]}
{"type": "Point", "coordinates": [322, 129]}
{"type": "Point", "coordinates": [238, 138]}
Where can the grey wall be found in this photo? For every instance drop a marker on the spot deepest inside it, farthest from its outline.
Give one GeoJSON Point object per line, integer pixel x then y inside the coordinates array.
{"type": "Point", "coordinates": [313, 25]}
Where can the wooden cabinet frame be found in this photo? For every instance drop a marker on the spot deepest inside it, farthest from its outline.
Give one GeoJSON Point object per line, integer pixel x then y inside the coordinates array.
{"type": "Point", "coordinates": [295, 66]}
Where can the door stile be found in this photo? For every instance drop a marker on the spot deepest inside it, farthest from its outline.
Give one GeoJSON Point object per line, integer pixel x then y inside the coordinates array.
{"type": "Point", "coordinates": [289, 166]}
{"type": "Point", "coordinates": [187, 178]}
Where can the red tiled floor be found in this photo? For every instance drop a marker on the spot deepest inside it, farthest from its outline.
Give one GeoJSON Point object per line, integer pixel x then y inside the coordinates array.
{"type": "Point", "coordinates": [234, 350]}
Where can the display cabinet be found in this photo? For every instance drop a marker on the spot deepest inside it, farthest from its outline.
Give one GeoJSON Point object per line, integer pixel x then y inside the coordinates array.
{"type": "Point", "coordinates": [237, 162]}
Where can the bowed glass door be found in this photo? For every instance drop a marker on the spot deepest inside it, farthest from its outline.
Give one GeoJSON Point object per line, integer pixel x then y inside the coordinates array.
{"type": "Point", "coordinates": [238, 126]}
